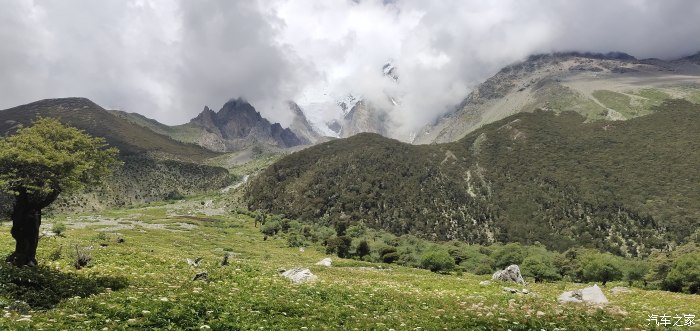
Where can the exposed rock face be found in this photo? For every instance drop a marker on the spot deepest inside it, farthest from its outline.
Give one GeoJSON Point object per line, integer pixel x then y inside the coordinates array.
{"type": "Point", "coordinates": [238, 125]}
{"type": "Point", "coordinates": [363, 117]}
{"type": "Point", "coordinates": [301, 126]}
{"type": "Point", "coordinates": [325, 262]}
{"type": "Point", "coordinates": [591, 295]}
{"type": "Point", "coordinates": [509, 274]}
{"type": "Point", "coordinates": [299, 275]}
{"type": "Point", "coordinates": [560, 82]}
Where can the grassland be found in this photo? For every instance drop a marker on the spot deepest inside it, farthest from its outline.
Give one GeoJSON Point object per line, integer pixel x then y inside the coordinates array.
{"type": "Point", "coordinates": [144, 283]}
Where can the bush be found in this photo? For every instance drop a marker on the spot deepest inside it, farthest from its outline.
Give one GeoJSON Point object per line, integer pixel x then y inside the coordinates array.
{"type": "Point", "coordinates": [340, 246]}
{"type": "Point", "coordinates": [541, 267]}
{"type": "Point", "coordinates": [271, 227]}
{"type": "Point", "coordinates": [684, 275]}
{"type": "Point", "coordinates": [362, 249]}
{"type": "Point", "coordinates": [437, 260]}
{"type": "Point", "coordinates": [636, 271]}
{"type": "Point", "coordinates": [59, 229]}
{"type": "Point", "coordinates": [506, 255]}
{"type": "Point", "coordinates": [603, 267]}
{"type": "Point", "coordinates": [390, 257]}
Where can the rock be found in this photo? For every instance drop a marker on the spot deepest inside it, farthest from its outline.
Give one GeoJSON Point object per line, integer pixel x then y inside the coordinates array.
{"type": "Point", "coordinates": [195, 262]}
{"type": "Point", "coordinates": [524, 291]}
{"type": "Point", "coordinates": [201, 276]}
{"type": "Point", "coordinates": [299, 275]}
{"type": "Point", "coordinates": [301, 249]}
{"type": "Point", "coordinates": [509, 274]}
{"type": "Point", "coordinates": [510, 289]}
{"type": "Point", "coordinates": [591, 295]}
{"type": "Point", "coordinates": [325, 262]}
{"type": "Point", "coordinates": [484, 282]}
{"type": "Point", "coordinates": [539, 313]}
{"type": "Point", "coordinates": [619, 289]}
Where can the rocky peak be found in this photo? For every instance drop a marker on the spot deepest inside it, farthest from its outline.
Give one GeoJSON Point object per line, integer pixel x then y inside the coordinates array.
{"type": "Point", "coordinates": [238, 125]}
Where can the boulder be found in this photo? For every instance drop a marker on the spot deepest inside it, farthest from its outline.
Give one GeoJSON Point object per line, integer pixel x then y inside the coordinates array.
{"type": "Point", "coordinates": [325, 262]}
{"type": "Point", "coordinates": [484, 282]}
{"type": "Point", "coordinates": [299, 275]}
{"type": "Point", "coordinates": [509, 274]}
{"type": "Point", "coordinates": [591, 295]}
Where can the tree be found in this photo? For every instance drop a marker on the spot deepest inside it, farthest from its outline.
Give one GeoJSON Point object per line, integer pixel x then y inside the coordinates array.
{"type": "Point", "coordinates": [508, 254]}
{"type": "Point", "coordinates": [541, 267]}
{"type": "Point", "coordinates": [684, 275]}
{"type": "Point", "coordinates": [40, 162]}
{"type": "Point", "coordinates": [437, 260]}
{"type": "Point", "coordinates": [362, 249]}
{"type": "Point", "coordinates": [602, 267]}
{"type": "Point", "coordinates": [636, 271]}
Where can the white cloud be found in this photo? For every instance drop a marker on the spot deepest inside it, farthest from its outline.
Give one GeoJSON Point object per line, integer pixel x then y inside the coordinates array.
{"type": "Point", "coordinates": [167, 59]}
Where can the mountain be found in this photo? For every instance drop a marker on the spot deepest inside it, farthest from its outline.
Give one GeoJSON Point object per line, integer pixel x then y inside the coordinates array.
{"type": "Point", "coordinates": [156, 166]}
{"type": "Point", "coordinates": [84, 114]}
{"type": "Point", "coordinates": [237, 126]}
{"type": "Point", "coordinates": [550, 177]}
{"type": "Point", "coordinates": [613, 86]}
{"type": "Point", "coordinates": [364, 117]}
{"type": "Point", "coordinates": [301, 126]}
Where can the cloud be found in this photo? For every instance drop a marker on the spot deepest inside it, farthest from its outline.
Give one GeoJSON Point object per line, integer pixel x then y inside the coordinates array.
{"type": "Point", "coordinates": [167, 59]}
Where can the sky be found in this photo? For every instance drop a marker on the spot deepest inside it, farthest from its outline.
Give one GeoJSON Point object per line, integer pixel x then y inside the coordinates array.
{"type": "Point", "coordinates": [168, 59]}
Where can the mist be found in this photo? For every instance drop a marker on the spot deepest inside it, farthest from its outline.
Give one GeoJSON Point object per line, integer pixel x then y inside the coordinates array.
{"type": "Point", "coordinates": [168, 59]}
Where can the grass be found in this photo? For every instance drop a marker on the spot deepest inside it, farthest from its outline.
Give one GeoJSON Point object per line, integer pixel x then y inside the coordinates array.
{"type": "Point", "coordinates": [144, 283]}
{"type": "Point", "coordinates": [632, 103]}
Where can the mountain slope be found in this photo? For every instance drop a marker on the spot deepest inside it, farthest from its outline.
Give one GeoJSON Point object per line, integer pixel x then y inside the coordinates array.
{"type": "Point", "coordinates": [84, 114]}
{"type": "Point", "coordinates": [156, 167]}
{"type": "Point", "coordinates": [237, 126]}
{"type": "Point", "coordinates": [612, 86]}
{"type": "Point", "coordinates": [625, 187]}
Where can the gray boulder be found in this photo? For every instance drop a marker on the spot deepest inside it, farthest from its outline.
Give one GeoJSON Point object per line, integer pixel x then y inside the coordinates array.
{"type": "Point", "coordinates": [299, 275]}
{"type": "Point", "coordinates": [325, 262]}
{"type": "Point", "coordinates": [509, 274]}
{"type": "Point", "coordinates": [591, 295]}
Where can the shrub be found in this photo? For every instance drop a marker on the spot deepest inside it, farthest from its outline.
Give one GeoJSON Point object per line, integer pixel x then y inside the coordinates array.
{"type": "Point", "coordinates": [636, 271]}
{"type": "Point", "coordinates": [437, 260]}
{"type": "Point", "coordinates": [602, 267]}
{"type": "Point", "coordinates": [59, 229]}
{"type": "Point", "coordinates": [340, 246]}
{"type": "Point", "coordinates": [541, 267]}
{"type": "Point", "coordinates": [271, 227]}
{"type": "Point", "coordinates": [506, 255]}
{"type": "Point", "coordinates": [684, 275]}
{"type": "Point", "coordinates": [362, 249]}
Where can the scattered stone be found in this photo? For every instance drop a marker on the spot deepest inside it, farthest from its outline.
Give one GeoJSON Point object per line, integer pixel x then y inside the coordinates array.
{"type": "Point", "coordinates": [510, 289]}
{"type": "Point", "coordinates": [484, 282]}
{"type": "Point", "coordinates": [194, 263]}
{"type": "Point", "coordinates": [301, 249]}
{"type": "Point", "coordinates": [539, 313]}
{"type": "Point", "coordinates": [619, 289]}
{"type": "Point", "coordinates": [325, 262]}
{"type": "Point", "coordinates": [201, 276]}
{"type": "Point", "coordinates": [299, 275]}
{"type": "Point", "coordinates": [592, 295]}
{"type": "Point", "coordinates": [509, 274]}
{"type": "Point", "coordinates": [515, 290]}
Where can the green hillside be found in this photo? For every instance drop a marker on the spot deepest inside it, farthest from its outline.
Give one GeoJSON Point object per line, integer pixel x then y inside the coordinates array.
{"type": "Point", "coordinates": [624, 187]}
{"type": "Point", "coordinates": [138, 279]}
{"type": "Point", "coordinates": [156, 167]}
{"type": "Point", "coordinates": [84, 114]}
